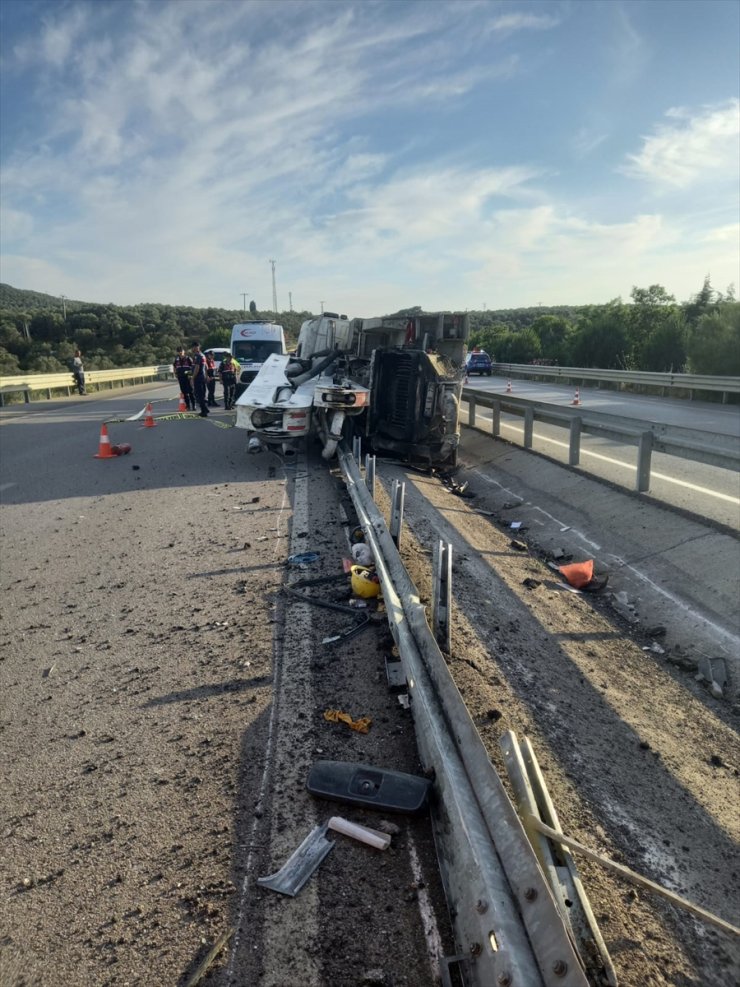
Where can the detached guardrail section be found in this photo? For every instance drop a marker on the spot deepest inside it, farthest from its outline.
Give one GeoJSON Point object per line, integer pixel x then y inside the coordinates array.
{"type": "Point", "coordinates": [648, 437]}
{"type": "Point", "coordinates": [666, 383]}
{"type": "Point", "coordinates": [28, 384]}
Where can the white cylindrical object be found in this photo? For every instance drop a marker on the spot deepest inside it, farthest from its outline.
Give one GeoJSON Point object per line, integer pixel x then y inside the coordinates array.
{"type": "Point", "coordinates": [373, 838]}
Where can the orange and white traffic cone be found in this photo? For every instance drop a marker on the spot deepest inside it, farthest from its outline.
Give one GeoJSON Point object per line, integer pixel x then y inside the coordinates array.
{"type": "Point", "coordinates": [182, 406]}
{"type": "Point", "coordinates": [148, 419]}
{"type": "Point", "coordinates": [104, 447]}
{"type": "Point", "coordinates": [508, 388]}
{"type": "Point", "coordinates": [577, 398]}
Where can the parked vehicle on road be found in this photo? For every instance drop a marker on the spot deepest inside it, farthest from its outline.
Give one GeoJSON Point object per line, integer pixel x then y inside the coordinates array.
{"type": "Point", "coordinates": [479, 362]}
{"type": "Point", "coordinates": [251, 344]}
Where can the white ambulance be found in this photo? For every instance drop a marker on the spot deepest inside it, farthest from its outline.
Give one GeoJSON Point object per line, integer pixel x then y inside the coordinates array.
{"type": "Point", "coordinates": [251, 344]}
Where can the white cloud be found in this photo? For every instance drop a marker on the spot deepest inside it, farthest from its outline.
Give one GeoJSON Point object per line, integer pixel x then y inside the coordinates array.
{"type": "Point", "coordinates": [695, 149]}
{"type": "Point", "coordinates": [508, 23]}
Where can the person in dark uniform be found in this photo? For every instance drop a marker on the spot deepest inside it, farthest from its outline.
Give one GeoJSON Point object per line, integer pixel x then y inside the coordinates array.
{"type": "Point", "coordinates": [227, 372]}
{"type": "Point", "coordinates": [199, 378]}
{"type": "Point", "coordinates": [183, 367]}
{"type": "Point", "coordinates": [211, 379]}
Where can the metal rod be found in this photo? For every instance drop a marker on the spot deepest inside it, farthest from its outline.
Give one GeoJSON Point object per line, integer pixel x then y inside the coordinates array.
{"type": "Point", "coordinates": [630, 875]}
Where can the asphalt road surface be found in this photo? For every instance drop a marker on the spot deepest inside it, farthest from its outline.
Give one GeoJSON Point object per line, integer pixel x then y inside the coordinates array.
{"type": "Point", "coordinates": [163, 701]}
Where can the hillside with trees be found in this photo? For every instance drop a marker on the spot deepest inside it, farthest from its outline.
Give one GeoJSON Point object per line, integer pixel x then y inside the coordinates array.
{"type": "Point", "coordinates": [39, 333]}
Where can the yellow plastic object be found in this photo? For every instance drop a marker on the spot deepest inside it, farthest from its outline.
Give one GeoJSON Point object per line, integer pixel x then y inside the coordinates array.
{"type": "Point", "coordinates": [363, 583]}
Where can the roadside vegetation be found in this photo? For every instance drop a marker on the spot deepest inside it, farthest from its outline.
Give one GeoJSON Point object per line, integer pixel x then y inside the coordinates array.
{"type": "Point", "coordinates": [39, 333]}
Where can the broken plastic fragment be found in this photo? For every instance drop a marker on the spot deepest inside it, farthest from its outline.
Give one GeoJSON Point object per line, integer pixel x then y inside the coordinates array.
{"type": "Point", "coordinates": [337, 716]}
{"type": "Point", "coordinates": [372, 837]}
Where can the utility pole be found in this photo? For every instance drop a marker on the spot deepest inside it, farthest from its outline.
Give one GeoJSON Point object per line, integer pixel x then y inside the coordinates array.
{"type": "Point", "coordinates": [322, 307]}
{"type": "Point", "coordinates": [245, 296]}
{"type": "Point", "coordinates": [290, 300]}
{"type": "Point", "coordinates": [274, 289]}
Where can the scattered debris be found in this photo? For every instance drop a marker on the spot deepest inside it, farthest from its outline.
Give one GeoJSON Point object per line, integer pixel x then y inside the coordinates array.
{"type": "Point", "coordinates": [655, 648]}
{"type": "Point", "coordinates": [520, 546]}
{"type": "Point", "coordinates": [300, 865]}
{"type": "Point", "coordinates": [337, 716]}
{"type": "Point", "coordinates": [367, 786]}
{"type": "Point", "coordinates": [362, 554]}
{"type": "Point", "coordinates": [531, 583]}
{"type": "Point", "coordinates": [303, 558]}
{"type": "Point", "coordinates": [210, 958]}
{"type": "Point", "coordinates": [371, 837]}
{"type": "Point", "coordinates": [658, 630]}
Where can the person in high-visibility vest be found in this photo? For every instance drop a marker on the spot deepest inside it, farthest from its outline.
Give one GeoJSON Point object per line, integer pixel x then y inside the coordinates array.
{"type": "Point", "coordinates": [228, 371]}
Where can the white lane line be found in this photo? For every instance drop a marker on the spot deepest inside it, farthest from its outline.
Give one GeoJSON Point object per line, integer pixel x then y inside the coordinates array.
{"type": "Point", "coordinates": [561, 524]}
{"type": "Point", "coordinates": [6, 486]}
{"type": "Point", "coordinates": [628, 466]}
{"type": "Point", "coordinates": [725, 639]}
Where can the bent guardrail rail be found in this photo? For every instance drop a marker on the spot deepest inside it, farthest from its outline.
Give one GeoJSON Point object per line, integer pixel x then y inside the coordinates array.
{"type": "Point", "coordinates": [666, 382]}
{"type": "Point", "coordinates": [506, 920]}
{"type": "Point", "coordinates": [673, 440]}
{"type": "Point", "coordinates": [28, 383]}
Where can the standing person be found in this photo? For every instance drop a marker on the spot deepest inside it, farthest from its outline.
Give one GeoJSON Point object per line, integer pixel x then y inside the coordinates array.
{"type": "Point", "coordinates": [199, 379]}
{"type": "Point", "coordinates": [183, 367]}
{"type": "Point", "coordinates": [78, 372]}
{"type": "Point", "coordinates": [227, 372]}
{"type": "Point", "coordinates": [211, 379]}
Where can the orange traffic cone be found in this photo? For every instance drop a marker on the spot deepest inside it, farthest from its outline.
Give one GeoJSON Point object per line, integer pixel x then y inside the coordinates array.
{"type": "Point", "coordinates": [578, 574]}
{"type": "Point", "coordinates": [182, 406]}
{"type": "Point", "coordinates": [577, 398]}
{"type": "Point", "coordinates": [148, 419]}
{"type": "Point", "coordinates": [104, 448]}
{"type": "Point", "coordinates": [508, 388]}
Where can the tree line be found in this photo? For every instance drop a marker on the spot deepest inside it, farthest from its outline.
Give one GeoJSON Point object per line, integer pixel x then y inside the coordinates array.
{"type": "Point", "coordinates": [39, 333]}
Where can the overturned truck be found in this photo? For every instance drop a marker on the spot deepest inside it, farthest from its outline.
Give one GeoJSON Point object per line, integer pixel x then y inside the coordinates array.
{"type": "Point", "coordinates": [394, 380]}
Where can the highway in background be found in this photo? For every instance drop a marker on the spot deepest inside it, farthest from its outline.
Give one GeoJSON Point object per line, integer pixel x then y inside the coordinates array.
{"type": "Point", "coordinates": [707, 491]}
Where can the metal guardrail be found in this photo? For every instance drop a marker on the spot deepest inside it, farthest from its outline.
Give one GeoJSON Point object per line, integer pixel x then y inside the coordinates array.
{"type": "Point", "coordinates": [666, 383]}
{"type": "Point", "coordinates": [27, 384]}
{"type": "Point", "coordinates": [507, 923]}
{"type": "Point", "coordinates": [673, 440]}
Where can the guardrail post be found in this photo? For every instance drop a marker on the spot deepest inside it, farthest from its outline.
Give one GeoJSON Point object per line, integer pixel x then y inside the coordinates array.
{"type": "Point", "coordinates": [471, 412]}
{"type": "Point", "coordinates": [357, 448]}
{"type": "Point", "coordinates": [370, 474]}
{"type": "Point", "coordinates": [574, 448]}
{"type": "Point", "coordinates": [398, 496]}
{"type": "Point", "coordinates": [496, 419]}
{"type": "Point", "coordinates": [644, 455]}
{"type": "Point", "coordinates": [442, 595]}
{"type": "Point", "coordinates": [528, 427]}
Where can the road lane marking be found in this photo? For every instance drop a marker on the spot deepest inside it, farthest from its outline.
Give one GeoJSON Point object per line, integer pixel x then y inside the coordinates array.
{"type": "Point", "coordinates": [628, 466]}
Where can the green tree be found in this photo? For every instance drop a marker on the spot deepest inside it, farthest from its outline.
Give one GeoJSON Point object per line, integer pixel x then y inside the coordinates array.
{"type": "Point", "coordinates": [552, 331]}
{"type": "Point", "coordinates": [664, 351]}
{"type": "Point", "coordinates": [9, 365]}
{"type": "Point", "coordinates": [714, 343]}
{"type": "Point", "coordinates": [651, 309]}
{"type": "Point", "coordinates": [518, 347]}
{"type": "Point", "coordinates": [253, 307]}
{"type": "Point", "coordinates": [601, 339]}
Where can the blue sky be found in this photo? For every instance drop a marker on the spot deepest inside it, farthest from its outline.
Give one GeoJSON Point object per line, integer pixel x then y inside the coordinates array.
{"type": "Point", "coordinates": [385, 154]}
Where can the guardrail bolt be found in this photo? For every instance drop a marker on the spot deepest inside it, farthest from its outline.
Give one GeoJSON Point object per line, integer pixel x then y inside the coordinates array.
{"type": "Point", "coordinates": [481, 906]}
{"type": "Point", "coordinates": [475, 949]}
{"type": "Point", "coordinates": [560, 968]}
{"type": "Point", "coordinates": [530, 894]}
{"type": "Point", "coordinates": [504, 980]}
